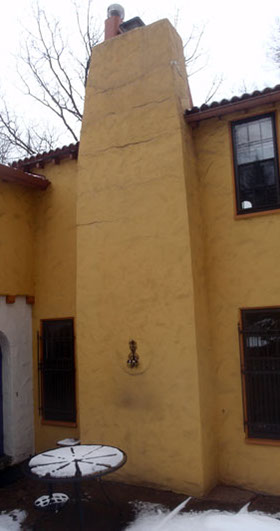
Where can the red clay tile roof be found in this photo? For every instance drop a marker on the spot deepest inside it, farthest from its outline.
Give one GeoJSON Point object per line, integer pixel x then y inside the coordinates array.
{"type": "Point", "coordinates": [225, 106]}
{"type": "Point", "coordinates": [54, 155]}
{"type": "Point", "coordinates": [246, 101]}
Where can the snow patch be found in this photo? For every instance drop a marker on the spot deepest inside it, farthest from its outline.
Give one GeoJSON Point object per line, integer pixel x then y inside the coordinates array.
{"type": "Point", "coordinates": [68, 442]}
{"type": "Point", "coordinates": [157, 518]}
{"type": "Point", "coordinates": [12, 521]}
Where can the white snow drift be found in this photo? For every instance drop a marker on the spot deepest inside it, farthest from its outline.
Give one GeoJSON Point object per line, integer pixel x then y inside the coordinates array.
{"type": "Point", "coordinates": [156, 518]}
{"type": "Point", "coordinates": [11, 521]}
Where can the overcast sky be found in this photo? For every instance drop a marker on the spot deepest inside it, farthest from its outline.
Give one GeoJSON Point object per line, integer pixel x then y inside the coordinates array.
{"type": "Point", "coordinates": [235, 42]}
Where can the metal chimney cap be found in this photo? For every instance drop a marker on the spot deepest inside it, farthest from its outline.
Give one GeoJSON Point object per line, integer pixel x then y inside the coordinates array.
{"type": "Point", "coordinates": [115, 10]}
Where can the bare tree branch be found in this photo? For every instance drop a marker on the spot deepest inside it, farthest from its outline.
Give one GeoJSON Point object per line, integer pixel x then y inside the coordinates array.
{"type": "Point", "coordinates": [215, 86]}
{"type": "Point", "coordinates": [194, 51]}
{"type": "Point", "coordinates": [274, 45]}
{"type": "Point", "coordinates": [196, 60]}
{"type": "Point", "coordinates": [55, 76]}
{"type": "Point", "coordinates": [21, 140]}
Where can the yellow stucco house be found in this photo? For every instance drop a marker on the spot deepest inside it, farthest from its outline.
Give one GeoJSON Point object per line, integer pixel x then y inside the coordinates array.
{"type": "Point", "coordinates": [161, 227]}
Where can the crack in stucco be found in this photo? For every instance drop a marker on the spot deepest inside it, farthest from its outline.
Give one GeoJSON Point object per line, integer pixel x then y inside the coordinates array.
{"type": "Point", "coordinates": [129, 144]}
{"type": "Point", "coordinates": [123, 146]}
{"type": "Point", "coordinates": [99, 222]}
{"type": "Point", "coordinates": [157, 102]}
{"type": "Point", "coordinates": [151, 71]}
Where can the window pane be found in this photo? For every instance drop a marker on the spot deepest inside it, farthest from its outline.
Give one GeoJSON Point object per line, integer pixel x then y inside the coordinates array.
{"type": "Point", "coordinates": [268, 149]}
{"type": "Point", "coordinates": [266, 128]}
{"type": "Point", "coordinates": [244, 155]}
{"type": "Point", "coordinates": [255, 152]}
{"type": "Point", "coordinates": [241, 134]}
{"type": "Point", "coordinates": [254, 132]}
{"type": "Point", "coordinates": [268, 173]}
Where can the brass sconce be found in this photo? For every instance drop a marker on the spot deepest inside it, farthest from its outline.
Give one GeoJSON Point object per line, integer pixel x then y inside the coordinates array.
{"type": "Point", "coordinates": [133, 358]}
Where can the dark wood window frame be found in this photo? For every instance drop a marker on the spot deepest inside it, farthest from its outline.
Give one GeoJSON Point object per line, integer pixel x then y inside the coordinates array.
{"type": "Point", "coordinates": [56, 371]}
{"type": "Point", "coordinates": [269, 193]}
{"type": "Point", "coordinates": [259, 333]}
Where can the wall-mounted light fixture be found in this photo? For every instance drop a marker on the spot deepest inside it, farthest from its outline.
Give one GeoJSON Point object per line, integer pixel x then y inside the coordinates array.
{"type": "Point", "coordinates": [133, 358]}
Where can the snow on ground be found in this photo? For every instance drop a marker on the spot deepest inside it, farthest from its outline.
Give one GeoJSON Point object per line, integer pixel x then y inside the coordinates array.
{"type": "Point", "coordinates": [156, 518]}
{"type": "Point", "coordinates": [11, 521]}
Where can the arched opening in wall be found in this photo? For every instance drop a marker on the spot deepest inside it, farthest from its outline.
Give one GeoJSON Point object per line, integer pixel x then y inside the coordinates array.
{"type": "Point", "coordinates": [5, 391]}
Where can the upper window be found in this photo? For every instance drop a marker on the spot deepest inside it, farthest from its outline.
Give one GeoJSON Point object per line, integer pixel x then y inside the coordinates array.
{"type": "Point", "coordinates": [260, 362]}
{"type": "Point", "coordinates": [256, 164]}
{"type": "Point", "coordinates": [58, 371]}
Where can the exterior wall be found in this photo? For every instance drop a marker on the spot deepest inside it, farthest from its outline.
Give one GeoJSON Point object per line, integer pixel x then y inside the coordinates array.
{"type": "Point", "coordinates": [55, 272]}
{"type": "Point", "coordinates": [16, 347]}
{"type": "Point", "coordinates": [204, 350]}
{"type": "Point", "coordinates": [242, 270]}
{"type": "Point", "coordinates": [16, 239]}
{"type": "Point", "coordinates": [134, 269]}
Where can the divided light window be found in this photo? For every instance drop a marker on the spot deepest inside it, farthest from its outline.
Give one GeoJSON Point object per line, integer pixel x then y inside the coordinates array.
{"type": "Point", "coordinates": [256, 164]}
{"type": "Point", "coordinates": [260, 362]}
{"type": "Point", "coordinates": [58, 371]}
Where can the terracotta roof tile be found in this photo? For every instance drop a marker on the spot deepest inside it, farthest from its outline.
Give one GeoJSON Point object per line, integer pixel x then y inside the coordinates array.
{"type": "Point", "coordinates": [41, 159]}
{"type": "Point", "coordinates": [225, 106]}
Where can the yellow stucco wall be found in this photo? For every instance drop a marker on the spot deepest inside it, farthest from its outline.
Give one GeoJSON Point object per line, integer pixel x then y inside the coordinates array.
{"type": "Point", "coordinates": [201, 309]}
{"type": "Point", "coordinates": [16, 239]}
{"type": "Point", "coordinates": [134, 265]}
{"type": "Point", "coordinates": [242, 270]}
{"type": "Point", "coordinates": [141, 233]}
{"type": "Point", "coordinates": [54, 271]}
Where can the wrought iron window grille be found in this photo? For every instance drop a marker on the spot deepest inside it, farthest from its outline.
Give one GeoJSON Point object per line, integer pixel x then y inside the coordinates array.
{"type": "Point", "coordinates": [259, 335]}
{"type": "Point", "coordinates": [56, 371]}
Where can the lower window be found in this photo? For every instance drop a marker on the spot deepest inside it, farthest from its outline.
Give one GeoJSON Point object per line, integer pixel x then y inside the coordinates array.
{"type": "Point", "coordinates": [260, 362]}
{"type": "Point", "coordinates": [58, 401]}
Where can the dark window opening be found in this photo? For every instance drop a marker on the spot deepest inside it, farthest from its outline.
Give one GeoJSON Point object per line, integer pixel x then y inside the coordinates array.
{"type": "Point", "coordinates": [256, 164]}
{"type": "Point", "coordinates": [58, 371]}
{"type": "Point", "coordinates": [260, 361]}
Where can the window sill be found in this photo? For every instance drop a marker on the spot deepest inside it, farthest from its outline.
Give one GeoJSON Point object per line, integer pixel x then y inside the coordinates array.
{"type": "Point", "coordinates": [59, 423]}
{"type": "Point", "coordinates": [263, 442]}
{"type": "Point", "coordinates": [257, 214]}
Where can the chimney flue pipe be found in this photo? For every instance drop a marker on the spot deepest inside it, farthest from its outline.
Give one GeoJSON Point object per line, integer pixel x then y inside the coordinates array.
{"type": "Point", "coordinates": [115, 16]}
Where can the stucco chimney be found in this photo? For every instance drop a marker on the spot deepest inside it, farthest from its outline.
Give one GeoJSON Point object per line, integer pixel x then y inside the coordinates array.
{"type": "Point", "coordinates": [115, 16]}
{"type": "Point", "coordinates": [136, 263]}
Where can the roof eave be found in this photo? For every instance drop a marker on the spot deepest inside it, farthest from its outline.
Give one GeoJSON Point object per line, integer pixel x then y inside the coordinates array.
{"type": "Point", "coordinates": [17, 176]}
{"type": "Point", "coordinates": [221, 110]}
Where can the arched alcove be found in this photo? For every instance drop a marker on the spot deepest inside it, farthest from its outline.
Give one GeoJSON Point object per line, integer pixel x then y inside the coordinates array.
{"type": "Point", "coordinates": [17, 381]}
